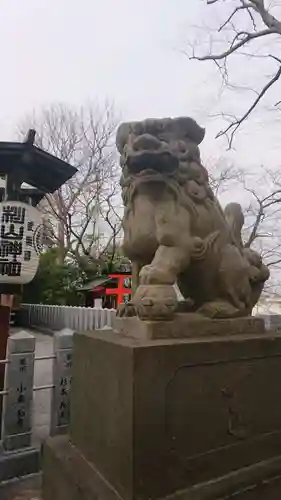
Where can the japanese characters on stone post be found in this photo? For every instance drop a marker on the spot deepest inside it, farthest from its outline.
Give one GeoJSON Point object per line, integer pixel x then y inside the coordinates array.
{"type": "Point", "coordinates": [21, 236]}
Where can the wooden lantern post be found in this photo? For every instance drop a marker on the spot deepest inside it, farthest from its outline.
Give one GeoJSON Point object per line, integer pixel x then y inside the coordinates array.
{"type": "Point", "coordinates": [21, 226]}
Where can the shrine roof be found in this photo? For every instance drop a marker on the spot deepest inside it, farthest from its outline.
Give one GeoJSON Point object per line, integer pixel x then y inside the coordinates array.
{"type": "Point", "coordinates": [95, 283]}
{"type": "Point", "coordinates": [101, 280]}
{"type": "Point", "coordinates": [43, 170]}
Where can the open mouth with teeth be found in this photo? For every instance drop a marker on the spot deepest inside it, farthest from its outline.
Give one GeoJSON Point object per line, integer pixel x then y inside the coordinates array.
{"type": "Point", "coordinates": [147, 153]}
{"type": "Point", "coordinates": [152, 162]}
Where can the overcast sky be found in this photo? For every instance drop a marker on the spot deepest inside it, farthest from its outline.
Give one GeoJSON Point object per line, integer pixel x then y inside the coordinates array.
{"type": "Point", "coordinates": [127, 51]}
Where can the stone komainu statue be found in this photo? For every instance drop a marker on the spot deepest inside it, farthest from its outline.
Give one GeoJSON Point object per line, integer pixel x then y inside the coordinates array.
{"type": "Point", "coordinates": [175, 230]}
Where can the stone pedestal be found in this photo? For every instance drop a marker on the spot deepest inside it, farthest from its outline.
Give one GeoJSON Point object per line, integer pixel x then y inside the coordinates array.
{"type": "Point", "coordinates": [196, 418]}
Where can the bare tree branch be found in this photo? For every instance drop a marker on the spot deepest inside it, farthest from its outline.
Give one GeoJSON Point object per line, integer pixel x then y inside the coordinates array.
{"type": "Point", "coordinates": [233, 127]}
{"type": "Point", "coordinates": [234, 34]}
{"type": "Point", "coordinates": [274, 262]}
{"type": "Point", "coordinates": [247, 37]}
{"type": "Point", "coordinates": [222, 175]}
{"type": "Point", "coordinates": [263, 214]}
{"type": "Point", "coordinates": [261, 195]}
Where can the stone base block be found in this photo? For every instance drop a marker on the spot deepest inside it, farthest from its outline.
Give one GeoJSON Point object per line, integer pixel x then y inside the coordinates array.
{"type": "Point", "coordinates": [69, 476]}
{"type": "Point", "coordinates": [188, 326]}
{"type": "Point", "coordinates": [159, 416]}
{"type": "Point", "coordinates": [152, 418]}
{"type": "Point", "coordinates": [19, 463]}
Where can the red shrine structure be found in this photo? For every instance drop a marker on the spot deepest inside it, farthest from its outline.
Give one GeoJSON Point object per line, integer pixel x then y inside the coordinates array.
{"type": "Point", "coordinates": [123, 289]}
{"type": "Point", "coordinates": [108, 291]}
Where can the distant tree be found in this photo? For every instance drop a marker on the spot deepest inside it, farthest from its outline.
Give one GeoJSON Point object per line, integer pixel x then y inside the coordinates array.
{"type": "Point", "coordinates": [245, 31]}
{"type": "Point", "coordinates": [59, 284]}
{"type": "Point", "coordinates": [223, 175]}
{"type": "Point", "coordinates": [83, 216]}
{"type": "Point", "coordinates": [54, 283]}
{"type": "Point", "coordinates": [263, 213]}
{"type": "Point", "coordinates": [260, 194]}
{"type": "Point", "coordinates": [111, 261]}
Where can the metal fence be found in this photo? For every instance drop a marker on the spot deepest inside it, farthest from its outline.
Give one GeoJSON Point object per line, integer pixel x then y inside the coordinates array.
{"type": "Point", "coordinates": [77, 318]}
{"type": "Point", "coordinates": [89, 318]}
{"type": "Point", "coordinates": [19, 387]}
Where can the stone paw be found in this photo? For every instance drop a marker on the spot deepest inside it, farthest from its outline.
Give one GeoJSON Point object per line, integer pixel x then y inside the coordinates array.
{"type": "Point", "coordinates": [153, 275]}
{"type": "Point", "coordinates": [220, 309]}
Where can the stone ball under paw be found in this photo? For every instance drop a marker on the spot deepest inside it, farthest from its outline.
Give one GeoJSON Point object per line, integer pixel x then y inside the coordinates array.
{"type": "Point", "coordinates": [155, 302]}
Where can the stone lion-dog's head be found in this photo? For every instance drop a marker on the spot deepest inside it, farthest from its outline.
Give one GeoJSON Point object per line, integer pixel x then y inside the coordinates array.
{"type": "Point", "coordinates": [166, 150]}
